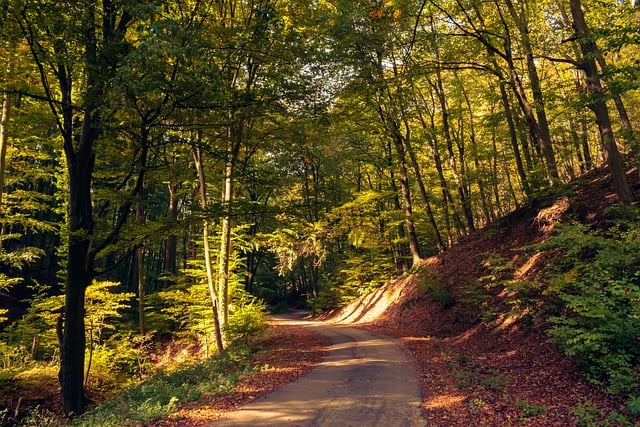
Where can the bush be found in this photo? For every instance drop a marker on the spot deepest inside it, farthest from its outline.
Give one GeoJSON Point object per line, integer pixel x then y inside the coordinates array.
{"type": "Point", "coordinates": [246, 321]}
{"type": "Point", "coordinates": [597, 280]}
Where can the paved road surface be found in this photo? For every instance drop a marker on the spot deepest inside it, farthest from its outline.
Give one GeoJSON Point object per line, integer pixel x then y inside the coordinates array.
{"type": "Point", "coordinates": [365, 381]}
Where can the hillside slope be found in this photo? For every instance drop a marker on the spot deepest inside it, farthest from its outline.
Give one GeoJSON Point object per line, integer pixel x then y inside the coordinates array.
{"type": "Point", "coordinates": [483, 354]}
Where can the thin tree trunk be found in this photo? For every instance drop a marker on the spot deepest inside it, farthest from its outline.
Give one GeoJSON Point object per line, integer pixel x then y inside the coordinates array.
{"type": "Point", "coordinates": [522, 24]}
{"type": "Point", "coordinates": [199, 163]}
{"type": "Point", "coordinates": [584, 142]}
{"type": "Point", "coordinates": [398, 140]}
{"type": "Point", "coordinates": [169, 266]}
{"type": "Point", "coordinates": [509, 116]}
{"type": "Point", "coordinates": [4, 142]}
{"type": "Point", "coordinates": [486, 209]}
{"type": "Point", "coordinates": [224, 253]}
{"type": "Point", "coordinates": [424, 196]}
{"type": "Point", "coordinates": [140, 263]}
{"type": "Point", "coordinates": [627, 129]}
{"type": "Point", "coordinates": [438, 86]}
{"type": "Point", "coordinates": [516, 84]}
{"type": "Point", "coordinates": [401, 253]}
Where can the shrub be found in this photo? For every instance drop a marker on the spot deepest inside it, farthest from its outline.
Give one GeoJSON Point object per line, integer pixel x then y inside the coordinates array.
{"type": "Point", "coordinates": [246, 321]}
{"type": "Point", "coordinates": [597, 280]}
{"type": "Point", "coordinates": [432, 285]}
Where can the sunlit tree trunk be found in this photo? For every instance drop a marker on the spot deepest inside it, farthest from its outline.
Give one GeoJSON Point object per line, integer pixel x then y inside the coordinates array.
{"type": "Point", "coordinates": [400, 251]}
{"type": "Point", "coordinates": [4, 134]}
{"type": "Point", "coordinates": [199, 164]}
{"type": "Point", "coordinates": [4, 142]}
{"type": "Point", "coordinates": [171, 246]}
{"type": "Point", "coordinates": [224, 253]}
{"type": "Point", "coordinates": [395, 134]}
{"type": "Point", "coordinates": [140, 262]}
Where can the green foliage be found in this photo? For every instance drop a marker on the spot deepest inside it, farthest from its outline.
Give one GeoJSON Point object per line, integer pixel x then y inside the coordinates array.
{"type": "Point", "coordinates": [185, 308]}
{"type": "Point", "coordinates": [633, 405]}
{"type": "Point", "coordinates": [41, 417]}
{"type": "Point", "coordinates": [358, 275]}
{"type": "Point", "coordinates": [159, 395]}
{"type": "Point", "coordinates": [40, 320]}
{"type": "Point", "coordinates": [588, 415]}
{"type": "Point", "coordinates": [597, 281]}
{"type": "Point", "coordinates": [246, 320]}
{"type": "Point", "coordinates": [435, 289]}
{"type": "Point", "coordinates": [121, 359]}
{"type": "Point", "coordinates": [12, 356]}
{"type": "Point", "coordinates": [104, 304]}
{"type": "Point", "coordinates": [529, 410]}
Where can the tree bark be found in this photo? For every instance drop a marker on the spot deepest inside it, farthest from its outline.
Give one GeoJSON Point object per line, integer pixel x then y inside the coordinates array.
{"type": "Point", "coordinates": [444, 109]}
{"type": "Point", "coordinates": [171, 246]}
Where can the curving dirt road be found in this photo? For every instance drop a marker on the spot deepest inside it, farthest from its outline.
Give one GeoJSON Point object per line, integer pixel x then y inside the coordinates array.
{"type": "Point", "coordinates": [365, 381]}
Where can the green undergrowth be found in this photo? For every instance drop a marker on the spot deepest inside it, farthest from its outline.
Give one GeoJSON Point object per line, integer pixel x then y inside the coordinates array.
{"type": "Point", "coordinates": [596, 280]}
{"type": "Point", "coordinates": [160, 395]}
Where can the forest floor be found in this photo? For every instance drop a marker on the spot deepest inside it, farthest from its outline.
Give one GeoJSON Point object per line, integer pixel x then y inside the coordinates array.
{"type": "Point", "coordinates": [490, 368]}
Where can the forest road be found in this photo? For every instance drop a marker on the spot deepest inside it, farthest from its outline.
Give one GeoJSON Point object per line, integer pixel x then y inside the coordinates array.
{"type": "Point", "coordinates": [365, 381]}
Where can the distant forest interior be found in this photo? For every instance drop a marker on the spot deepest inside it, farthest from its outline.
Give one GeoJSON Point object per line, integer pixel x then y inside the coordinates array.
{"type": "Point", "coordinates": [175, 171]}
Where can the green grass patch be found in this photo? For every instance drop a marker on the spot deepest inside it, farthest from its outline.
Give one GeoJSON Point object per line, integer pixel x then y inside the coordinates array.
{"type": "Point", "coordinates": [160, 395]}
{"type": "Point", "coordinates": [529, 410]}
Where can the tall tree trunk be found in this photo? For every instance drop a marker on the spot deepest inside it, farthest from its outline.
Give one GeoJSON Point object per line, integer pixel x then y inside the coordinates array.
{"type": "Point", "coordinates": [4, 142]}
{"type": "Point", "coordinates": [494, 174]}
{"type": "Point", "coordinates": [393, 130]}
{"type": "Point", "coordinates": [544, 142]}
{"type": "Point", "coordinates": [598, 104]}
{"type": "Point", "coordinates": [171, 246]}
{"type": "Point", "coordinates": [444, 109]}
{"type": "Point", "coordinates": [627, 129]}
{"type": "Point", "coordinates": [509, 116]}
{"type": "Point", "coordinates": [400, 252]}
{"type": "Point", "coordinates": [447, 200]}
{"type": "Point", "coordinates": [140, 262]}
{"type": "Point", "coordinates": [424, 196]}
{"type": "Point", "coordinates": [199, 163]}
{"type": "Point", "coordinates": [80, 261]}
{"type": "Point", "coordinates": [4, 134]}
{"type": "Point", "coordinates": [224, 253]}
{"type": "Point", "coordinates": [487, 211]}
{"type": "Point", "coordinates": [438, 86]}
{"type": "Point", "coordinates": [584, 142]}
{"type": "Point", "coordinates": [521, 20]}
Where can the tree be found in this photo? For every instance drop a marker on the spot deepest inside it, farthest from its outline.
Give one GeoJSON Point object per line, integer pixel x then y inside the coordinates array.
{"type": "Point", "coordinates": [597, 103]}
{"type": "Point", "coordinates": [76, 51]}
